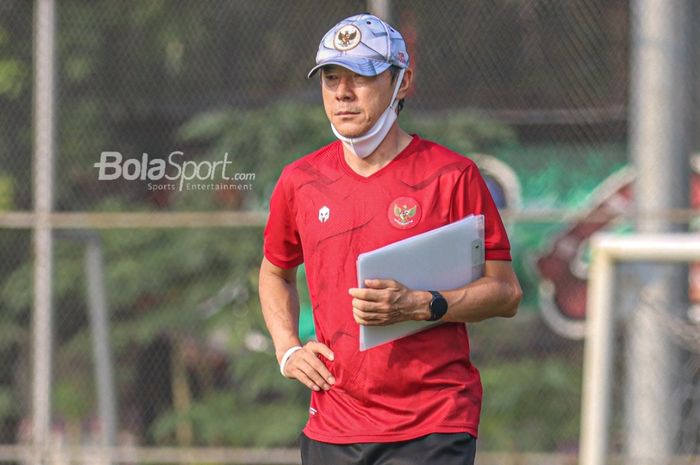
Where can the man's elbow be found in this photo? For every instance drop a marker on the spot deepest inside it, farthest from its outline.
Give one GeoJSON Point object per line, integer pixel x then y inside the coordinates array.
{"type": "Point", "coordinates": [268, 271]}
{"type": "Point", "coordinates": [515, 295]}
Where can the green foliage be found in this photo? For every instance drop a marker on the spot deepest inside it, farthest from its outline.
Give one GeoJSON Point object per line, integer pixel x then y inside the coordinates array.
{"type": "Point", "coordinates": [261, 141]}
{"type": "Point", "coordinates": [8, 403]}
{"type": "Point", "coordinates": [73, 398]}
{"type": "Point", "coordinates": [463, 131]}
{"type": "Point", "coordinates": [524, 401]}
{"type": "Point", "coordinates": [16, 291]}
{"type": "Point", "coordinates": [156, 283]}
{"type": "Point", "coordinates": [6, 192]}
{"type": "Point", "coordinates": [260, 409]}
{"type": "Point", "coordinates": [13, 76]}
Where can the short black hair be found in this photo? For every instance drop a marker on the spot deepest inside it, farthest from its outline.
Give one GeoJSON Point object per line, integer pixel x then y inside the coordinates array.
{"type": "Point", "coordinates": [394, 70]}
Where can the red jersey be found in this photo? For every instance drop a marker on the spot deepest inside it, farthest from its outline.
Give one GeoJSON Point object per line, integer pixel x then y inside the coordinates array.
{"type": "Point", "coordinates": [324, 214]}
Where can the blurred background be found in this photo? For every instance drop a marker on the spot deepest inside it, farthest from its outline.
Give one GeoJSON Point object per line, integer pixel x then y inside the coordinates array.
{"type": "Point", "coordinates": [129, 314]}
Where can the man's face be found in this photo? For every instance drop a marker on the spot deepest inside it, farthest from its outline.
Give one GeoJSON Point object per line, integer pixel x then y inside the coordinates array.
{"type": "Point", "coordinates": [353, 103]}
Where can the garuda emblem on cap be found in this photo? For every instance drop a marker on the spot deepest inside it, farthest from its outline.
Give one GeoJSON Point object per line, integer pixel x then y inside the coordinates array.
{"type": "Point", "coordinates": [347, 38]}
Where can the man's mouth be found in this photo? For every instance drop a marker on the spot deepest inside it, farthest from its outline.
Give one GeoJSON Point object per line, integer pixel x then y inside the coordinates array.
{"type": "Point", "coordinates": [346, 113]}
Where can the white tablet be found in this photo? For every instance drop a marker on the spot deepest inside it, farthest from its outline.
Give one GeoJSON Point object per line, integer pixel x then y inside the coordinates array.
{"type": "Point", "coordinates": [444, 258]}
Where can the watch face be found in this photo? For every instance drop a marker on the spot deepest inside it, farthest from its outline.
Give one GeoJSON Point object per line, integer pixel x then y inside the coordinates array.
{"type": "Point", "coordinates": [438, 306]}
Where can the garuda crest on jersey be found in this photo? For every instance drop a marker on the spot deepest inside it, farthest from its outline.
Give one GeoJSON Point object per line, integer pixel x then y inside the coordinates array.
{"type": "Point", "coordinates": [404, 213]}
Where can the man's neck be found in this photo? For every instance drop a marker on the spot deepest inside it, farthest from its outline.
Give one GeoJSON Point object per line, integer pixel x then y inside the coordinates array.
{"type": "Point", "coordinates": [394, 143]}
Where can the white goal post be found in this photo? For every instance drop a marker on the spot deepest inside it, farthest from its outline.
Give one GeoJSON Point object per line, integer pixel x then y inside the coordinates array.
{"type": "Point", "coordinates": [606, 250]}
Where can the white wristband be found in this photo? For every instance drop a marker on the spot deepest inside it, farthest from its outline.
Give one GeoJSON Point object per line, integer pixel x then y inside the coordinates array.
{"type": "Point", "coordinates": [286, 356]}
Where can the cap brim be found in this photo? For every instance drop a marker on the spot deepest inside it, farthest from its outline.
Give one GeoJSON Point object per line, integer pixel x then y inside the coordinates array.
{"type": "Point", "coordinates": [363, 67]}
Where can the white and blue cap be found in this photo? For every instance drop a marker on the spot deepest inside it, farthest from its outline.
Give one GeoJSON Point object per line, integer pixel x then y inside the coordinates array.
{"type": "Point", "coordinates": [364, 44]}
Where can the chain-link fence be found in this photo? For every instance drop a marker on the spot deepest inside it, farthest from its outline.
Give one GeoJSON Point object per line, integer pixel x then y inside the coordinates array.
{"type": "Point", "coordinates": [174, 119]}
{"type": "Point", "coordinates": [680, 359]}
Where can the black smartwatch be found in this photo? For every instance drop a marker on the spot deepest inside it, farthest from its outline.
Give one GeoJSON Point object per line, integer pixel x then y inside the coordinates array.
{"type": "Point", "coordinates": [438, 306]}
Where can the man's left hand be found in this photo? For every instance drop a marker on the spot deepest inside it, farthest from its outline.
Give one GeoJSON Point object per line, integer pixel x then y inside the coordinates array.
{"type": "Point", "coordinates": [386, 301]}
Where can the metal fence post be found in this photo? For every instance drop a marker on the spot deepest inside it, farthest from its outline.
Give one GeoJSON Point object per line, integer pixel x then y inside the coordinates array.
{"type": "Point", "coordinates": [659, 141]}
{"type": "Point", "coordinates": [44, 146]}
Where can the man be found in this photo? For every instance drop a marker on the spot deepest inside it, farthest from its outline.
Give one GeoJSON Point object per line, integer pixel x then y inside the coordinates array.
{"type": "Point", "coordinates": [416, 400]}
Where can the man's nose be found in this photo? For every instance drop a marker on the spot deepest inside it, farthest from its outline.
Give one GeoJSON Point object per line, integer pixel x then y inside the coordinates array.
{"type": "Point", "coordinates": [344, 91]}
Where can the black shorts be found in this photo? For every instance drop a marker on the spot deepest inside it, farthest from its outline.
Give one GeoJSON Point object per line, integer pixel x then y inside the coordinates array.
{"type": "Point", "coordinates": [438, 448]}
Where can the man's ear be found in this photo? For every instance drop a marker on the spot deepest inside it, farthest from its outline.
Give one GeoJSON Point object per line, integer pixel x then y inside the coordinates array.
{"type": "Point", "coordinates": [405, 84]}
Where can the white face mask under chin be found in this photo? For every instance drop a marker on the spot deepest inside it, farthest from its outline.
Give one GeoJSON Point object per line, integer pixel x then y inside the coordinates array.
{"type": "Point", "coordinates": [367, 143]}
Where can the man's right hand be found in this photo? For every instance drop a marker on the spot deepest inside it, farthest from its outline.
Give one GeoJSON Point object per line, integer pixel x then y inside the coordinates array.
{"type": "Point", "coordinates": [305, 366]}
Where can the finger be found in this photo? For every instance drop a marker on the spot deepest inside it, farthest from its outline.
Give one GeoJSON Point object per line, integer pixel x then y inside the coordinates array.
{"type": "Point", "coordinates": [320, 348]}
{"type": "Point", "coordinates": [356, 292]}
{"type": "Point", "coordinates": [381, 283]}
{"type": "Point", "coordinates": [318, 365]}
{"type": "Point", "coordinates": [306, 367]}
{"type": "Point", "coordinates": [366, 305]}
{"type": "Point", "coordinates": [312, 373]}
{"type": "Point", "coordinates": [304, 379]}
{"type": "Point", "coordinates": [372, 295]}
{"type": "Point", "coordinates": [360, 321]}
{"type": "Point", "coordinates": [363, 322]}
{"type": "Point", "coordinates": [367, 317]}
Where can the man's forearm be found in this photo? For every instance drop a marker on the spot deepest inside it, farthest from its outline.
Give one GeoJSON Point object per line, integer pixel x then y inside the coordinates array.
{"type": "Point", "coordinates": [279, 301]}
{"type": "Point", "coordinates": [486, 298]}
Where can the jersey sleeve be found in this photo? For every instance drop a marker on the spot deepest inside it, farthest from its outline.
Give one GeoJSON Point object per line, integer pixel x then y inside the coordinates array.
{"type": "Point", "coordinates": [282, 244]}
{"type": "Point", "coordinates": [471, 196]}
